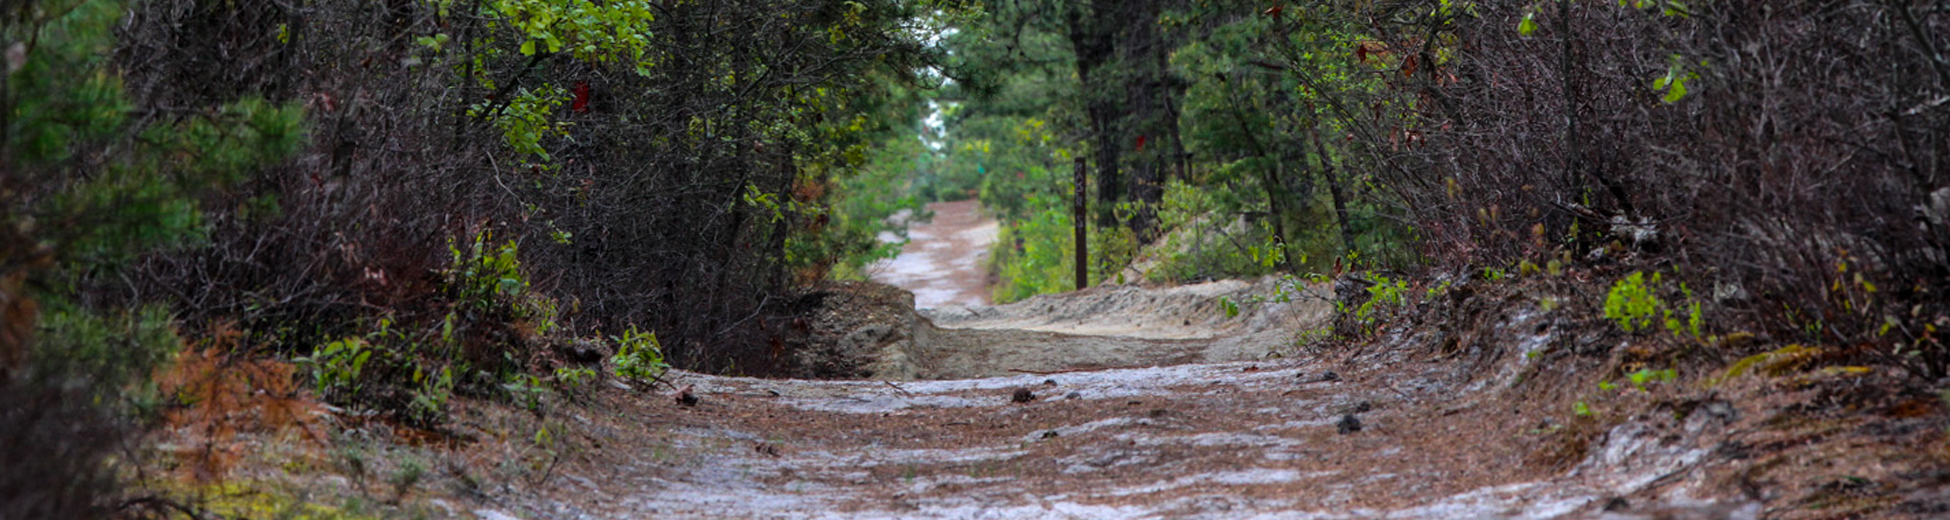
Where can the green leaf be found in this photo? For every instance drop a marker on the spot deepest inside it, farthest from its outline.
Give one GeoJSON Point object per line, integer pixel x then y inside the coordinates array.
{"type": "Point", "coordinates": [1528, 25]}
{"type": "Point", "coordinates": [528, 48]}
{"type": "Point", "coordinates": [1677, 92]}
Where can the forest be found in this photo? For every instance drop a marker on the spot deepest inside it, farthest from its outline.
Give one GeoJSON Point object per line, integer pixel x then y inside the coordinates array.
{"type": "Point", "coordinates": [394, 209]}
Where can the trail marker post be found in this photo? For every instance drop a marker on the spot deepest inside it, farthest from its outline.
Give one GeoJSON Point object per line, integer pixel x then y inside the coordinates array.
{"type": "Point", "coordinates": [1080, 220]}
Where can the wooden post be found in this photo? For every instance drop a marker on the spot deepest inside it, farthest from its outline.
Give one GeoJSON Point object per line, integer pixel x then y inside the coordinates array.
{"type": "Point", "coordinates": [1080, 219]}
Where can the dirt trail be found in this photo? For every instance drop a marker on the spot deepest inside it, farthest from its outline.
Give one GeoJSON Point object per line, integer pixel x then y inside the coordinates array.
{"type": "Point", "coordinates": [1125, 402]}
{"type": "Point", "coordinates": [942, 262]}
{"type": "Point", "coordinates": [1235, 439]}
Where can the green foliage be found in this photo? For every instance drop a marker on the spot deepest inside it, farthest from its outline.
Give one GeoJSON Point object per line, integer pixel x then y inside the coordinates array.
{"type": "Point", "coordinates": [1495, 274]}
{"type": "Point", "coordinates": [143, 178]}
{"type": "Point", "coordinates": [409, 474]}
{"type": "Point", "coordinates": [482, 274]}
{"type": "Point", "coordinates": [526, 391]}
{"type": "Point", "coordinates": [62, 96]}
{"type": "Point", "coordinates": [1673, 84]}
{"type": "Point", "coordinates": [108, 349]}
{"type": "Point", "coordinates": [1385, 297]}
{"type": "Point", "coordinates": [1045, 261]}
{"type": "Point", "coordinates": [431, 393]}
{"type": "Point", "coordinates": [574, 378]}
{"type": "Point", "coordinates": [593, 31]}
{"type": "Point", "coordinates": [1646, 375]}
{"type": "Point", "coordinates": [861, 205]}
{"type": "Point", "coordinates": [1284, 290]}
{"type": "Point", "coordinates": [489, 278]}
{"type": "Point", "coordinates": [526, 120]}
{"type": "Point", "coordinates": [89, 182]}
{"type": "Point", "coordinates": [1037, 255]}
{"type": "Point", "coordinates": [1639, 378]}
{"type": "Point", "coordinates": [1020, 166]}
{"type": "Point", "coordinates": [1387, 292]}
{"type": "Point", "coordinates": [1204, 243]}
{"type": "Point", "coordinates": [1692, 323]}
{"type": "Point", "coordinates": [1631, 303]}
{"type": "Point", "coordinates": [337, 366]}
{"type": "Point", "coordinates": [639, 356]}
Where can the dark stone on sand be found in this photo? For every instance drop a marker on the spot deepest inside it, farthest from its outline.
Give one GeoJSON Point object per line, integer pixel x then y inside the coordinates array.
{"type": "Point", "coordinates": [1348, 424]}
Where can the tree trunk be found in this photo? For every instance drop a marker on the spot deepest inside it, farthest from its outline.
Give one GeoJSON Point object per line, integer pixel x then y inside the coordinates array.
{"type": "Point", "coordinates": [1090, 37]}
{"type": "Point", "coordinates": [1334, 190]}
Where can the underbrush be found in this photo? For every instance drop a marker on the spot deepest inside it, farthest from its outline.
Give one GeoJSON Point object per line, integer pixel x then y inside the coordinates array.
{"type": "Point", "coordinates": [1037, 255]}
{"type": "Point", "coordinates": [1589, 347]}
{"type": "Point", "coordinates": [1205, 234]}
{"type": "Point", "coordinates": [492, 341]}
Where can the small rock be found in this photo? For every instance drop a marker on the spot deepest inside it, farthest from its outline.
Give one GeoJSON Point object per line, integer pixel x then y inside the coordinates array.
{"type": "Point", "coordinates": [687, 396]}
{"type": "Point", "coordinates": [1348, 424]}
{"type": "Point", "coordinates": [1049, 434]}
{"type": "Point", "coordinates": [1617, 504]}
{"type": "Point", "coordinates": [1324, 377]}
{"type": "Point", "coordinates": [1022, 395]}
{"type": "Point", "coordinates": [1050, 382]}
{"type": "Point", "coordinates": [1722, 410]}
{"type": "Point", "coordinates": [1074, 395]}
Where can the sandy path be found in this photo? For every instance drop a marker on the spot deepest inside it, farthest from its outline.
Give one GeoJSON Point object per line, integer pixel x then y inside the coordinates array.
{"type": "Point", "coordinates": [1217, 441]}
{"type": "Point", "coordinates": [943, 261]}
{"type": "Point", "coordinates": [1145, 403]}
{"type": "Point", "coordinates": [1121, 425]}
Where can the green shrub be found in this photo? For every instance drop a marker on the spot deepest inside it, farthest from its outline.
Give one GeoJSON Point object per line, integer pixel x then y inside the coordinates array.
{"type": "Point", "coordinates": [1631, 303]}
{"type": "Point", "coordinates": [113, 349]}
{"type": "Point", "coordinates": [638, 356]}
{"type": "Point", "coordinates": [482, 275]}
{"type": "Point", "coordinates": [570, 378]}
{"type": "Point", "coordinates": [430, 393]}
{"type": "Point", "coordinates": [526, 391]}
{"type": "Point", "coordinates": [1044, 262]}
{"type": "Point", "coordinates": [337, 367]}
{"type": "Point", "coordinates": [1385, 296]}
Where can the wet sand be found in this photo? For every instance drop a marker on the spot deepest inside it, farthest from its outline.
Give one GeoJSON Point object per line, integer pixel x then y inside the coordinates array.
{"type": "Point", "coordinates": [945, 260]}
